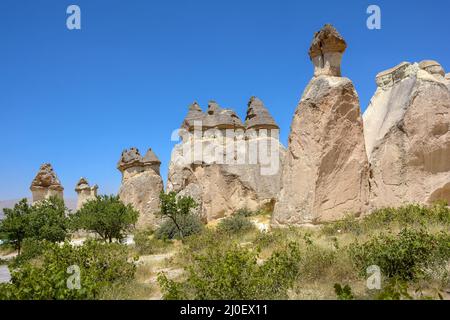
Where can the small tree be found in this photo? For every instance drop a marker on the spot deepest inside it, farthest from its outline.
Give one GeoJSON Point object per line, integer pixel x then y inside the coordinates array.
{"type": "Point", "coordinates": [176, 208]}
{"type": "Point", "coordinates": [48, 220]}
{"type": "Point", "coordinates": [15, 223]}
{"type": "Point", "coordinates": [107, 216]}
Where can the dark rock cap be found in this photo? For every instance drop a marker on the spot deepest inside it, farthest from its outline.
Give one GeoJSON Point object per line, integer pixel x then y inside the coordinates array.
{"type": "Point", "coordinates": [129, 158]}
{"type": "Point", "coordinates": [216, 117]}
{"type": "Point", "coordinates": [46, 178]}
{"type": "Point", "coordinates": [150, 158]}
{"type": "Point", "coordinates": [194, 114]}
{"type": "Point", "coordinates": [258, 117]}
{"type": "Point", "coordinates": [82, 185]}
{"type": "Point", "coordinates": [326, 40]}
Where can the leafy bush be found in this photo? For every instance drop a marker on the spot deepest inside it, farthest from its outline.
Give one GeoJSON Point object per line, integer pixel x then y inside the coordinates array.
{"type": "Point", "coordinates": [107, 216]}
{"type": "Point", "coordinates": [48, 221]}
{"type": "Point", "coordinates": [100, 265]}
{"type": "Point", "coordinates": [405, 256]}
{"type": "Point", "coordinates": [145, 242]}
{"type": "Point", "coordinates": [343, 292]}
{"type": "Point", "coordinates": [234, 273]}
{"type": "Point", "coordinates": [235, 224]}
{"type": "Point", "coordinates": [31, 249]}
{"type": "Point", "coordinates": [45, 220]}
{"type": "Point", "coordinates": [187, 224]}
{"type": "Point", "coordinates": [412, 215]}
{"type": "Point", "coordinates": [177, 209]}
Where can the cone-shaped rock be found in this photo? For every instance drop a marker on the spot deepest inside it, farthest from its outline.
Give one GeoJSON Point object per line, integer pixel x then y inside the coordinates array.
{"type": "Point", "coordinates": [141, 185]}
{"type": "Point", "coordinates": [258, 116]}
{"type": "Point", "coordinates": [46, 184]}
{"type": "Point", "coordinates": [325, 175]}
{"type": "Point", "coordinates": [407, 135]}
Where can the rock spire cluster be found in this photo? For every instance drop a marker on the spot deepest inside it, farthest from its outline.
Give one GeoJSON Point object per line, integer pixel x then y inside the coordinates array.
{"type": "Point", "coordinates": [337, 162]}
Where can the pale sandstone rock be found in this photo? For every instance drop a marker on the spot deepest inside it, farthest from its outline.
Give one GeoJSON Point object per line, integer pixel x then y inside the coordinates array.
{"type": "Point", "coordinates": [85, 192]}
{"type": "Point", "coordinates": [447, 80]}
{"type": "Point", "coordinates": [46, 184]}
{"type": "Point", "coordinates": [325, 175]}
{"type": "Point", "coordinates": [407, 136]}
{"type": "Point", "coordinates": [220, 187]}
{"type": "Point", "coordinates": [141, 185]}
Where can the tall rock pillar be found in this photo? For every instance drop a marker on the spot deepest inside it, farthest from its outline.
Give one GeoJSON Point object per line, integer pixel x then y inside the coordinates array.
{"type": "Point", "coordinates": [325, 175]}
{"type": "Point", "coordinates": [141, 185]}
{"type": "Point", "coordinates": [85, 192]}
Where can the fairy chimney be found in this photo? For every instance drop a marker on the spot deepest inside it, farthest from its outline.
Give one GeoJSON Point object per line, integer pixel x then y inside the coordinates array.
{"type": "Point", "coordinates": [85, 192]}
{"type": "Point", "coordinates": [46, 184]}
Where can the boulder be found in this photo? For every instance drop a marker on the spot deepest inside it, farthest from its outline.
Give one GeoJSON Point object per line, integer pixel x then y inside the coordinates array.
{"type": "Point", "coordinates": [46, 184]}
{"type": "Point", "coordinates": [141, 185]}
{"type": "Point", "coordinates": [325, 175]}
{"type": "Point", "coordinates": [407, 135]}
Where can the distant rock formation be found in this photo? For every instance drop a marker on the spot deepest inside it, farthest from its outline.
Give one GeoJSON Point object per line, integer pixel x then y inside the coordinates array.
{"type": "Point", "coordinates": [141, 184]}
{"type": "Point", "coordinates": [224, 164]}
{"type": "Point", "coordinates": [325, 175]}
{"type": "Point", "coordinates": [407, 135]}
{"type": "Point", "coordinates": [46, 184]}
{"type": "Point", "coordinates": [447, 80]}
{"type": "Point", "coordinates": [85, 192]}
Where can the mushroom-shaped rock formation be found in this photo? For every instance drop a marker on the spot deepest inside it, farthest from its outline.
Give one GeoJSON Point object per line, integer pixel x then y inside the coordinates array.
{"type": "Point", "coordinates": [46, 184]}
{"type": "Point", "coordinates": [141, 185]}
{"type": "Point", "coordinates": [258, 117]}
{"type": "Point", "coordinates": [325, 174]}
{"type": "Point", "coordinates": [85, 192]}
{"type": "Point", "coordinates": [221, 186]}
{"type": "Point", "coordinates": [406, 128]}
{"type": "Point", "coordinates": [326, 51]}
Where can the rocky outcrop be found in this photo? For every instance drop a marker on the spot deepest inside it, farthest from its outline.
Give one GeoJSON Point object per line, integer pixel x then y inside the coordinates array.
{"type": "Point", "coordinates": [46, 184]}
{"type": "Point", "coordinates": [407, 135]}
{"type": "Point", "coordinates": [325, 175]}
{"type": "Point", "coordinates": [141, 185]}
{"type": "Point", "coordinates": [447, 80]}
{"type": "Point", "coordinates": [224, 164]}
{"type": "Point", "coordinates": [85, 192]}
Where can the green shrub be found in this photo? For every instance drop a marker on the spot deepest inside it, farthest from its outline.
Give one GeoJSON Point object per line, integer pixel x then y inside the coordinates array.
{"type": "Point", "coordinates": [343, 292]}
{"type": "Point", "coordinates": [146, 243]}
{"type": "Point", "coordinates": [100, 265]}
{"type": "Point", "coordinates": [234, 273]}
{"type": "Point", "coordinates": [107, 216]}
{"type": "Point", "coordinates": [244, 212]}
{"type": "Point", "coordinates": [235, 224]}
{"type": "Point", "coordinates": [405, 256]}
{"type": "Point", "coordinates": [188, 224]}
{"type": "Point", "coordinates": [45, 220]}
{"type": "Point", "coordinates": [315, 261]}
{"type": "Point", "coordinates": [177, 209]}
{"type": "Point", "coordinates": [31, 249]}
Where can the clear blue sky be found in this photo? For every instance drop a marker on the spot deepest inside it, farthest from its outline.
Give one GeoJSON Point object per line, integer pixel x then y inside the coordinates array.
{"type": "Point", "coordinates": [77, 98]}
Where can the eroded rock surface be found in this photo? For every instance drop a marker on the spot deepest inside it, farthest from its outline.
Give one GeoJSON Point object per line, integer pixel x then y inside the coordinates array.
{"type": "Point", "coordinates": [407, 135]}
